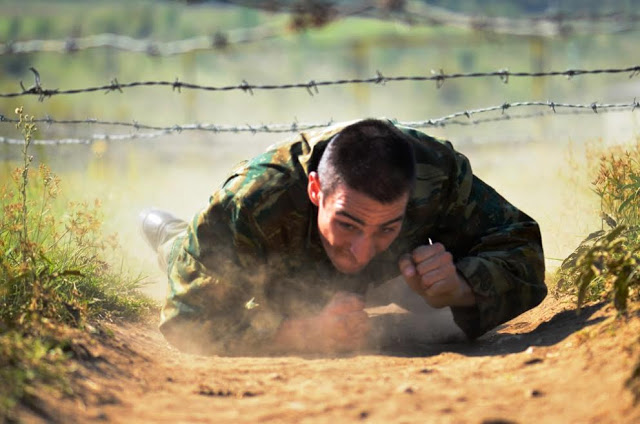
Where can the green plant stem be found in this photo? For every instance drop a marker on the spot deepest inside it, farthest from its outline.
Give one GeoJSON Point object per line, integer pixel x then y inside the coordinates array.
{"type": "Point", "coordinates": [23, 194]}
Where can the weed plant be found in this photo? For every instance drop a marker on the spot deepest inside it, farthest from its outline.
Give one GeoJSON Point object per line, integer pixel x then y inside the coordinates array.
{"type": "Point", "coordinates": [54, 275]}
{"type": "Point", "coordinates": [606, 265]}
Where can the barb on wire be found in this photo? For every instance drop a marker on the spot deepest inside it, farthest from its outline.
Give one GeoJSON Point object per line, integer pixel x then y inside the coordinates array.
{"type": "Point", "coordinates": [451, 119]}
{"type": "Point", "coordinates": [439, 77]}
{"type": "Point", "coordinates": [114, 86]}
{"type": "Point", "coordinates": [379, 79]}
{"type": "Point", "coordinates": [36, 88]}
{"type": "Point", "coordinates": [246, 87]}
{"type": "Point", "coordinates": [312, 85]}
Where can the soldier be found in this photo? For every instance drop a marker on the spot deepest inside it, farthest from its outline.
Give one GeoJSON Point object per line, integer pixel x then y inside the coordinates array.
{"type": "Point", "coordinates": [280, 258]}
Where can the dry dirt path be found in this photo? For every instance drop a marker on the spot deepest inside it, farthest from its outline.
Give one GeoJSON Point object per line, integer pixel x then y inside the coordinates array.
{"type": "Point", "coordinates": [548, 365]}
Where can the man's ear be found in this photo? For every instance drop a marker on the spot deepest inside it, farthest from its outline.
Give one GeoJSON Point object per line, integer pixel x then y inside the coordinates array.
{"type": "Point", "coordinates": [313, 188]}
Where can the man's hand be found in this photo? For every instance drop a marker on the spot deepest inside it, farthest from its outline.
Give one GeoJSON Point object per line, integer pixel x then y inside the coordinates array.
{"type": "Point", "coordinates": [341, 326]}
{"type": "Point", "coordinates": [430, 272]}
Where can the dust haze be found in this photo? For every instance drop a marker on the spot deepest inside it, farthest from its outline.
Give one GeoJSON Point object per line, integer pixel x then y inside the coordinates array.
{"type": "Point", "coordinates": [541, 164]}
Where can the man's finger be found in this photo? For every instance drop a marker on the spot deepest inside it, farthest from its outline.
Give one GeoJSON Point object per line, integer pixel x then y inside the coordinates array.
{"type": "Point", "coordinates": [440, 273]}
{"type": "Point", "coordinates": [422, 253]}
{"type": "Point", "coordinates": [440, 289]}
{"type": "Point", "coordinates": [407, 268]}
{"type": "Point", "coordinates": [433, 277]}
{"type": "Point", "coordinates": [443, 260]}
{"type": "Point", "coordinates": [428, 265]}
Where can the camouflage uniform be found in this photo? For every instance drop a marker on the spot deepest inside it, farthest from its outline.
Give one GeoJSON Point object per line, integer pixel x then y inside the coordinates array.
{"type": "Point", "coordinates": [253, 257]}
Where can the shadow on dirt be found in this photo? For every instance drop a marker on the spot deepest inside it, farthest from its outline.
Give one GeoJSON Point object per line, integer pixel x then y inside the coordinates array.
{"type": "Point", "coordinates": [503, 340]}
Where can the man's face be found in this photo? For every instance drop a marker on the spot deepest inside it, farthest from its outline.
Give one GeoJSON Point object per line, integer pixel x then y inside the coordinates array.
{"type": "Point", "coordinates": [353, 227]}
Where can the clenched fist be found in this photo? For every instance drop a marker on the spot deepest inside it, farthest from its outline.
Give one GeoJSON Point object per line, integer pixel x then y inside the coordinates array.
{"type": "Point", "coordinates": [341, 326]}
{"type": "Point", "coordinates": [430, 272]}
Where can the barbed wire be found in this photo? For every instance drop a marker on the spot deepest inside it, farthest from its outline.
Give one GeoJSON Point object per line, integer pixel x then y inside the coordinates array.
{"type": "Point", "coordinates": [301, 19]}
{"type": "Point", "coordinates": [451, 119]}
{"type": "Point", "coordinates": [415, 13]}
{"type": "Point", "coordinates": [217, 41]}
{"type": "Point", "coordinates": [548, 25]}
{"type": "Point", "coordinates": [318, 14]}
{"type": "Point", "coordinates": [312, 87]}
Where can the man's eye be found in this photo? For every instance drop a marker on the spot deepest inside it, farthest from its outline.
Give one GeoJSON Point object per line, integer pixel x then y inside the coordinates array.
{"type": "Point", "coordinates": [346, 226]}
{"type": "Point", "coordinates": [388, 230]}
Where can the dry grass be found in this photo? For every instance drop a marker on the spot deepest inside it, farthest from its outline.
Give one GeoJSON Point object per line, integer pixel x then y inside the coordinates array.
{"type": "Point", "coordinates": [54, 275]}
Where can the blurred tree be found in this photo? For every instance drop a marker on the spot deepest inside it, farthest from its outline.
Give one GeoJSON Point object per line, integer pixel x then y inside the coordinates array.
{"type": "Point", "coordinates": [14, 28]}
{"type": "Point", "coordinates": [14, 65]}
{"type": "Point", "coordinates": [170, 20]}
{"type": "Point", "coordinates": [42, 27]}
{"type": "Point", "coordinates": [145, 21]}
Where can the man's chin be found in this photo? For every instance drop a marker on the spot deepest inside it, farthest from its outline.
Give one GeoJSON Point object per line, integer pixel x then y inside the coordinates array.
{"type": "Point", "coordinates": [348, 269]}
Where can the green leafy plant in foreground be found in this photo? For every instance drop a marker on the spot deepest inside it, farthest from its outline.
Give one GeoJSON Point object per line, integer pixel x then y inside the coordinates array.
{"type": "Point", "coordinates": [54, 275]}
{"type": "Point", "coordinates": [606, 265]}
{"type": "Point", "coordinates": [610, 268]}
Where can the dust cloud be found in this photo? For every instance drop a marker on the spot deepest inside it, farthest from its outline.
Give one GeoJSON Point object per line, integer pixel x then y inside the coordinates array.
{"type": "Point", "coordinates": [541, 164]}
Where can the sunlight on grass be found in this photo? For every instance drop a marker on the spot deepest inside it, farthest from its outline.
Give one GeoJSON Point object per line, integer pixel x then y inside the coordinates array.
{"type": "Point", "coordinates": [606, 265]}
{"type": "Point", "coordinates": [54, 274]}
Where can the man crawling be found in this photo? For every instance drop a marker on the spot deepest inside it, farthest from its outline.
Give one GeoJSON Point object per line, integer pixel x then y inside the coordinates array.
{"type": "Point", "coordinates": [281, 257]}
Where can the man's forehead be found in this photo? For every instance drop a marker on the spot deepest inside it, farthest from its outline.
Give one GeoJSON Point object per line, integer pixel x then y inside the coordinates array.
{"type": "Point", "coordinates": [343, 194]}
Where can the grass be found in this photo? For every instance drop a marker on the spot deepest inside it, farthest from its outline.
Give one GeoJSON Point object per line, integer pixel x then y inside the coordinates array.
{"type": "Point", "coordinates": [606, 265]}
{"type": "Point", "coordinates": [55, 278]}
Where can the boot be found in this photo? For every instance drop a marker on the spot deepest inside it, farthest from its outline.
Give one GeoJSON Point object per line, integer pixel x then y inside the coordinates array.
{"type": "Point", "coordinates": [159, 226]}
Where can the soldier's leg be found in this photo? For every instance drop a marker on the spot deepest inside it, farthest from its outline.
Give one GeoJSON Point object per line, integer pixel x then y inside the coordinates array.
{"type": "Point", "coordinates": [160, 229]}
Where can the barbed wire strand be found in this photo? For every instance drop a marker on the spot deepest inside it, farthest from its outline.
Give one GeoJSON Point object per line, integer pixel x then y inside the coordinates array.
{"type": "Point", "coordinates": [419, 13]}
{"type": "Point", "coordinates": [451, 119]}
{"type": "Point", "coordinates": [547, 26]}
{"type": "Point", "coordinates": [217, 41]}
{"type": "Point", "coordinates": [439, 77]}
{"type": "Point", "coordinates": [412, 13]}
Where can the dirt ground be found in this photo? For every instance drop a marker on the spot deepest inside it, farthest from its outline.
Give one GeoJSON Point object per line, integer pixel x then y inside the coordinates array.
{"type": "Point", "coordinates": [548, 365]}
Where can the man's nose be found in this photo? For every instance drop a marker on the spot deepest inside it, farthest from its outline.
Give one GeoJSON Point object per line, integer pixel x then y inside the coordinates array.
{"type": "Point", "coordinates": [363, 249]}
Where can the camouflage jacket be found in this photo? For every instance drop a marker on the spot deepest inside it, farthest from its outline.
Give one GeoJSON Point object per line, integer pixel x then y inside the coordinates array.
{"type": "Point", "coordinates": [253, 257]}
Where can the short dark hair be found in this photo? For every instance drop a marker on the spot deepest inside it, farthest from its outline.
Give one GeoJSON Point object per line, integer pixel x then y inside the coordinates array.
{"type": "Point", "coordinates": [371, 156]}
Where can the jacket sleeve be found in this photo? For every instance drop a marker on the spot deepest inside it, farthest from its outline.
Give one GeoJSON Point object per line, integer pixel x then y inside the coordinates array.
{"type": "Point", "coordinates": [216, 277]}
{"type": "Point", "coordinates": [496, 247]}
